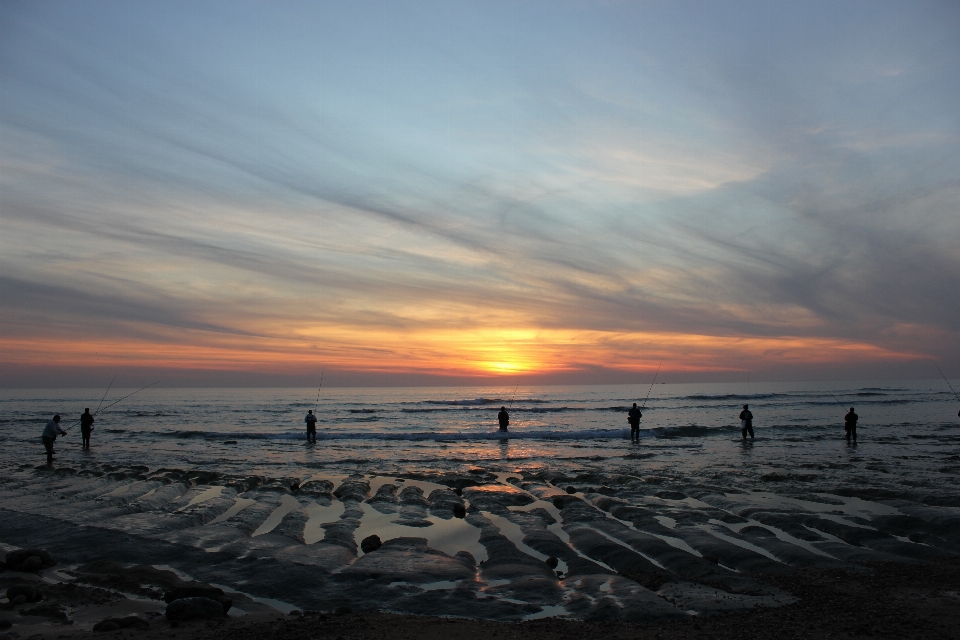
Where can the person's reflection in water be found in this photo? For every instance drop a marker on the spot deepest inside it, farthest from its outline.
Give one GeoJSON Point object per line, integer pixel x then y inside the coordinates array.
{"type": "Point", "coordinates": [504, 448]}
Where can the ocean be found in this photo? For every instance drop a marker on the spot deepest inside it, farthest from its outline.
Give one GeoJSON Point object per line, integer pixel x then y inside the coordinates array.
{"type": "Point", "coordinates": [399, 430]}
{"type": "Point", "coordinates": [228, 474]}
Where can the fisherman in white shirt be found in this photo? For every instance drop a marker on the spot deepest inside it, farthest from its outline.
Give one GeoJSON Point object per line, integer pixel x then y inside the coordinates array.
{"type": "Point", "coordinates": [50, 433]}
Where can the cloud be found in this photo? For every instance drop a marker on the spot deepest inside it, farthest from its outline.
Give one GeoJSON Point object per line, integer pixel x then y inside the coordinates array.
{"type": "Point", "coordinates": [240, 206]}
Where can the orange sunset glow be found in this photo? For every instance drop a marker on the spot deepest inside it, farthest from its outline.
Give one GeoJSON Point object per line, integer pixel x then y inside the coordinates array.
{"type": "Point", "coordinates": [472, 204]}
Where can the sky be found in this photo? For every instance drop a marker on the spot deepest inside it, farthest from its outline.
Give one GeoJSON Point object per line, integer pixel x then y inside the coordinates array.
{"type": "Point", "coordinates": [405, 193]}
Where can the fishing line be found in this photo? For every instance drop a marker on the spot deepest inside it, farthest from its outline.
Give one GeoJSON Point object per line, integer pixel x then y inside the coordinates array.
{"type": "Point", "coordinates": [129, 394]}
{"type": "Point", "coordinates": [651, 385]}
{"type": "Point", "coordinates": [947, 381]}
{"type": "Point", "coordinates": [318, 392]}
{"type": "Point", "coordinates": [105, 395]}
{"type": "Point", "coordinates": [838, 400]}
{"type": "Point", "coordinates": [514, 393]}
{"type": "Point", "coordinates": [101, 402]}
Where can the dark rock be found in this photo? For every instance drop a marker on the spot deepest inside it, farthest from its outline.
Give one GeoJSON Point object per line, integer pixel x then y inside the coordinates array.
{"type": "Point", "coordinates": [5, 624]}
{"type": "Point", "coordinates": [48, 611]}
{"type": "Point", "coordinates": [194, 609]}
{"type": "Point", "coordinates": [370, 543]}
{"type": "Point", "coordinates": [552, 562]}
{"type": "Point", "coordinates": [107, 624]}
{"type": "Point", "coordinates": [134, 622]}
{"type": "Point", "coordinates": [29, 592]}
{"type": "Point", "coordinates": [458, 491]}
{"type": "Point", "coordinates": [18, 600]}
{"type": "Point", "coordinates": [15, 559]}
{"type": "Point", "coordinates": [296, 613]}
{"type": "Point", "coordinates": [571, 489]}
{"type": "Point", "coordinates": [343, 610]}
{"type": "Point", "coordinates": [31, 564]}
{"type": "Point", "coordinates": [671, 495]}
{"type": "Point", "coordinates": [459, 511]}
{"type": "Point", "coordinates": [211, 593]}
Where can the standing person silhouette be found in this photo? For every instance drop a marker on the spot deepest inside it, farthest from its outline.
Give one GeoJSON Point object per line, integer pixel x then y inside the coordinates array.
{"type": "Point", "coordinates": [633, 417]}
{"type": "Point", "coordinates": [311, 421]}
{"type": "Point", "coordinates": [850, 425]}
{"type": "Point", "coordinates": [746, 422]}
{"type": "Point", "coordinates": [50, 433]}
{"type": "Point", "coordinates": [503, 418]}
{"type": "Point", "coordinates": [86, 426]}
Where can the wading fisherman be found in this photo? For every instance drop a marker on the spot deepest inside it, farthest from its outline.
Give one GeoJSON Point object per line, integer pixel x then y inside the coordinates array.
{"type": "Point", "coordinates": [504, 418]}
{"type": "Point", "coordinates": [50, 433]}
{"type": "Point", "coordinates": [850, 425]}
{"type": "Point", "coordinates": [311, 421]}
{"type": "Point", "coordinates": [86, 426]}
{"type": "Point", "coordinates": [746, 422]}
{"type": "Point", "coordinates": [633, 417]}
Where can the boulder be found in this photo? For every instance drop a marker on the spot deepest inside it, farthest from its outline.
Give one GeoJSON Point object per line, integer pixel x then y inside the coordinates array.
{"type": "Point", "coordinates": [18, 600]}
{"type": "Point", "coordinates": [370, 543]}
{"type": "Point", "coordinates": [109, 624]}
{"type": "Point", "coordinates": [211, 593]}
{"type": "Point", "coordinates": [134, 622]}
{"type": "Point", "coordinates": [459, 511]}
{"type": "Point", "coordinates": [31, 564]}
{"type": "Point", "coordinates": [15, 559]}
{"type": "Point", "coordinates": [5, 624]}
{"type": "Point", "coordinates": [29, 592]}
{"type": "Point", "coordinates": [194, 609]}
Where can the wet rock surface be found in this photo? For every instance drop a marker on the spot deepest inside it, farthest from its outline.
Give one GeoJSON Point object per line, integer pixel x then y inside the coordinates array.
{"type": "Point", "coordinates": [504, 546]}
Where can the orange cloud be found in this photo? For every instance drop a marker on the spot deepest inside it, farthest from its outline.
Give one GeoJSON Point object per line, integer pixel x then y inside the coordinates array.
{"type": "Point", "coordinates": [480, 352]}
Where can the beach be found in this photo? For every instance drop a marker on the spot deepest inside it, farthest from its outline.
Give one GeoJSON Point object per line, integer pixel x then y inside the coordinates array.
{"type": "Point", "coordinates": [562, 524]}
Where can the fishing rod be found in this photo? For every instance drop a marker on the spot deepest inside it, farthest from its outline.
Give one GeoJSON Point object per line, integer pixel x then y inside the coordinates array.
{"type": "Point", "coordinates": [651, 385]}
{"type": "Point", "coordinates": [105, 395]}
{"type": "Point", "coordinates": [947, 381]}
{"type": "Point", "coordinates": [838, 400]}
{"type": "Point", "coordinates": [317, 405]}
{"type": "Point", "coordinates": [514, 393]}
{"type": "Point", "coordinates": [129, 394]}
{"type": "Point", "coordinates": [101, 402]}
{"type": "Point", "coordinates": [118, 401]}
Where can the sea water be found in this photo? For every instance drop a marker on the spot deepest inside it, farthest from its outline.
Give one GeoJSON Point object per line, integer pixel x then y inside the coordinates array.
{"type": "Point", "coordinates": [910, 426]}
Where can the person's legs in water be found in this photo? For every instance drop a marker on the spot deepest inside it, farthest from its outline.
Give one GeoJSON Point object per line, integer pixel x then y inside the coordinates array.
{"type": "Point", "coordinates": [853, 432]}
{"type": "Point", "coordinates": [743, 432]}
{"type": "Point", "coordinates": [85, 436]}
{"type": "Point", "coordinates": [48, 445]}
{"type": "Point", "coordinates": [750, 429]}
{"type": "Point", "coordinates": [635, 432]}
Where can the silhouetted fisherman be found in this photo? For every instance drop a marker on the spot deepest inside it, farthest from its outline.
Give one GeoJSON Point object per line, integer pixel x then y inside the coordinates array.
{"type": "Point", "coordinates": [746, 422]}
{"type": "Point", "coordinates": [311, 421]}
{"type": "Point", "coordinates": [504, 418]}
{"type": "Point", "coordinates": [850, 425]}
{"type": "Point", "coordinates": [50, 433]}
{"type": "Point", "coordinates": [633, 417]}
{"type": "Point", "coordinates": [86, 426]}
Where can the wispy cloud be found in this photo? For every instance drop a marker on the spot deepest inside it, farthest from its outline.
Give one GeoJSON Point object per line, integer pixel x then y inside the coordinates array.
{"type": "Point", "coordinates": [464, 202]}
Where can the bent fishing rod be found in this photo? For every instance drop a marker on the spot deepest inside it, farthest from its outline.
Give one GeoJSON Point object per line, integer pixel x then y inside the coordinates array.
{"type": "Point", "coordinates": [105, 395]}
{"type": "Point", "coordinates": [947, 381]}
{"type": "Point", "coordinates": [514, 393]}
{"type": "Point", "coordinates": [119, 401]}
{"type": "Point", "coordinates": [838, 400]}
{"type": "Point", "coordinates": [651, 385]}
